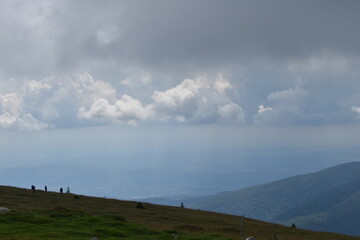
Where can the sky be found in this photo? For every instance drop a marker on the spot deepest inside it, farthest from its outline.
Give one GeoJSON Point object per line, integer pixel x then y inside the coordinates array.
{"type": "Point", "coordinates": [167, 97]}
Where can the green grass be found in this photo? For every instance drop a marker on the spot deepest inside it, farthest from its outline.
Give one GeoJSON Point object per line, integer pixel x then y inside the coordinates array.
{"type": "Point", "coordinates": [62, 223]}
{"type": "Point", "coordinates": [45, 216]}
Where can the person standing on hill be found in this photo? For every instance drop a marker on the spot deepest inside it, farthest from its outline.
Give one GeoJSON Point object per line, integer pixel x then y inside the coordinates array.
{"type": "Point", "coordinates": [61, 190]}
{"type": "Point", "coordinates": [33, 188]}
{"type": "Point", "coordinates": [45, 188]}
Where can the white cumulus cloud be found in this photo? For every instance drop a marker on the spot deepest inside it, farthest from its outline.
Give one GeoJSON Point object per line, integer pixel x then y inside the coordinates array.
{"type": "Point", "coordinates": [89, 90]}
{"type": "Point", "coordinates": [178, 96]}
{"type": "Point", "coordinates": [287, 106]}
{"type": "Point", "coordinates": [125, 110]}
{"type": "Point", "coordinates": [12, 115]}
{"type": "Point", "coordinates": [263, 109]}
{"type": "Point", "coordinates": [222, 84]}
{"type": "Point", "coordinates": [199, 100]}
{"type": "Point", "coordinates": [78, 99]}
{"type": "Point", "coordinates": [231, 112]}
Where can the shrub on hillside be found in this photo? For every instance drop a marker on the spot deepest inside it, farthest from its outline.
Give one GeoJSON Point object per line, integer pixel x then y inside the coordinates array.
{"type": "Point", "coordinates": [139, 205]}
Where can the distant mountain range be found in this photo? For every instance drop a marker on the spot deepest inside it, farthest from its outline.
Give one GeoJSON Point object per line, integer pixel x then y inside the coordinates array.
{"type": "Point", "coordinates": [328, 200]}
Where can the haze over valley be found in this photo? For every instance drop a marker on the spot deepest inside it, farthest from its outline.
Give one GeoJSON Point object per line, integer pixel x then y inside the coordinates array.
{"type": "Point", "coordinates": [172, 99]}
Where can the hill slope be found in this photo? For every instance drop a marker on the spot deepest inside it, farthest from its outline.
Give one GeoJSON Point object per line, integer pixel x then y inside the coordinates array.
{"type": "Point", "coordinates": [39, 212]}
{"type": "Point", "coordinates": [337, 209]}
{"type": "Point", "coordinates": [270, 202]}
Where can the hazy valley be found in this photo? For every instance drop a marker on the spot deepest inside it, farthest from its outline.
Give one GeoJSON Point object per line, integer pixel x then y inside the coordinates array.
{"type": "Point", "coordinates": [328, 200]}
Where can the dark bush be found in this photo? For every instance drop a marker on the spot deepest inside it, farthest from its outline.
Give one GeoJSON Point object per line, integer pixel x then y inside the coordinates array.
{"type": "Point", "coordinates": [139, 205]}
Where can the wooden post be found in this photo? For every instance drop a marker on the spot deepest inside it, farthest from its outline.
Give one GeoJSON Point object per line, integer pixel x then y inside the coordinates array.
{"type": "Point", "coordinates": [242, 226]}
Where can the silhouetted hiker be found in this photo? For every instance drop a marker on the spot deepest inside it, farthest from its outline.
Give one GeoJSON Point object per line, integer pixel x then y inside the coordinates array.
{"type": "Point", "coordinates": [45, 188]}
{"type": "Point", "coordinates": [33, 188]}
{"type": "Point", "coordinates": [61, 190]}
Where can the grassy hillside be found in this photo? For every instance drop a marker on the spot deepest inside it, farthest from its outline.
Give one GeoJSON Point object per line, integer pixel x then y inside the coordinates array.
{"type": "Point", "coordinates": [54, 216]}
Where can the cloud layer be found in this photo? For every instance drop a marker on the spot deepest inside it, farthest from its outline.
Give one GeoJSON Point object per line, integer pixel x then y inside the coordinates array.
{"type": "Point", "coordinates": [52, 102]}
{"type": "Point", "coordinates": [72, 64]}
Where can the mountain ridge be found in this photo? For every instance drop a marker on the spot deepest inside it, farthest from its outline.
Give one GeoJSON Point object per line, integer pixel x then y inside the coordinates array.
{"type": "Point", "coordinates": [271, 201]}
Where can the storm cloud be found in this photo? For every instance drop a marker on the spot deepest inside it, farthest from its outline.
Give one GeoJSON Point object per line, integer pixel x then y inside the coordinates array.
{"type": "Point", "coordinates": [189, 62]}
{"type": "Point", "coordinates": [173, 95]}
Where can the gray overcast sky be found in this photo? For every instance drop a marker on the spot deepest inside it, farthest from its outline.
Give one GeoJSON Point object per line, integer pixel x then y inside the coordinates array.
{"type": "Point", "coordinates": [80, 63]}
{"type": "Point", "coordinates": [225, 73]}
